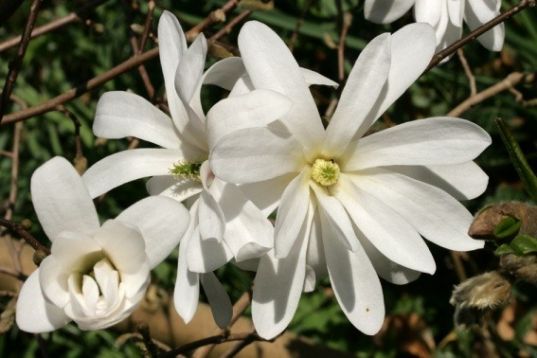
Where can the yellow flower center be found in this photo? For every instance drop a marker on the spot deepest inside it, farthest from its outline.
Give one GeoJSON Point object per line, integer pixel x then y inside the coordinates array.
{"type": "Point", "coordinates": [325, 172]}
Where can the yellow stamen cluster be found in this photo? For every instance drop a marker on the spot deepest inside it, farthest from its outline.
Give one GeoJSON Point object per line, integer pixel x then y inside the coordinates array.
{"type": "Point", "coordinates": [325, 172]}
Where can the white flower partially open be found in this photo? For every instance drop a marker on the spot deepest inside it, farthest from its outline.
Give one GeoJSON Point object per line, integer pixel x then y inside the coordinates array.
{"type": "Point", "coordinates": [445, 16]}
{"type": "Point", "coordinates": [95, 275]}
{"type": "Point", "coordinates": [355, 208]}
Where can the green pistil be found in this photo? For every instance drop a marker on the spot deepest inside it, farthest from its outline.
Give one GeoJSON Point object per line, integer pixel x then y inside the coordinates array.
{"type": "Point", "coordinates": [325, 172]}
{"type": "Point", "coordinates": [186, 170]}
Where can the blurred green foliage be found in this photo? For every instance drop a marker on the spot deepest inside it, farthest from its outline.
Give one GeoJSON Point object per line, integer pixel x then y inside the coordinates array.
{"type": "Point", "coordinates": [62, 59]}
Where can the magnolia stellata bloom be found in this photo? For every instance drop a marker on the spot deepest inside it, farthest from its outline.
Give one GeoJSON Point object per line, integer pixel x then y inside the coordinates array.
{"type": "Point", "coordinates": [95, 275]}
{"type": "Point", "coordinates": [354, 207]}
{"type": "Point", "coordinates": [224, 224]}
{"type": "Point", "coordinates": [445, 16]}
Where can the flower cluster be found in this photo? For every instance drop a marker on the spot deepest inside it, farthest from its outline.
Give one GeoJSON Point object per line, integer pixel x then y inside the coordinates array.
{"type": "Point", "coordinates": [349, 205]}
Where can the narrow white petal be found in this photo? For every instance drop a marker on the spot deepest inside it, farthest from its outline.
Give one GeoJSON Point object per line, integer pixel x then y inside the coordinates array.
{"type": "Point", "coordinates": [90, 292]}
{"type": "Point", "coordinates": [249, 234]}
{"type": "Point", "coordinates": [384, 228]}
{"type": "Point", "coordinates": [292, 212]}
{"type": "Point", "coordinates": [161, 221]}
{"type": "Point", "coordinates": [386, 268]}
{"type": "Point", "coordinates": [271, 65]}
{"type": "Point", "coordinates": [315, 78]}
{"type": "Point", "coordinates": [206, 255]}
{"type": "Point", "coordinates": [428, 11]}
{"type": "Point", "coordinates": [315, 257]}
{"type": "Point", "coordinates": [123, 114]}
{"type": "Point", "coordinates": [177, 189]}
{"type": "Point", "coordinates": [218, 299]}
{"type": "Point", "coordinates": [256, 154]}
{"type": "Point", "coordinates": [462, 181]}
{"type": "Point", "coordinates": [386, 11]}
{"type": "Point", "coordinates": [126, 166]}
{"type": "Point", "coordinates": [355, 282]}
{"type": "Point", "coordinates": [61, 200]}
{"type": "Point", "coordinates": [456, 11]}
{"type": "Point", "coordinates": [186, 291]}
{"type": "Point", "coordinates": [339, 220]}
{"type": "Point", "coordinates": [210, 217]}
{"type": "Point", "coordinates": [310, 280]}
{"type": "Point", "coordinates": [33, 313]}
{"type": "Point", "coordinates": [224, 73]}
{"type": "Point", "coordinates": [361, 91]}
{"type": "Point", "coordinates": [266, 194]}
{"type": "Point", "coordinates": [434, 213]}
{"type": "Point", "coordinates": [477, 13]}
{"type": "Point", "coordinates": [431, 141]}
{"type": "Point", "coordinates": [254, 109]}
{"type": "Point", "coordinates": [413, 47]}
{"type": "Point", "coordinates": [278, 286]}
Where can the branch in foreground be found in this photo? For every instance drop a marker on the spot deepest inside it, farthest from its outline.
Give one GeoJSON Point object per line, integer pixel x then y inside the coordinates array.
{"type": "Point", "coordinates": [24, 234]}
{"type": "Point", "coordinates": [15, 65]}
{"type": "Point", "coordinates": [479, 31]}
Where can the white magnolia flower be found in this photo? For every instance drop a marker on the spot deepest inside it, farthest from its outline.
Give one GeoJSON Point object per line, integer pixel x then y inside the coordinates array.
{"type": "Point", "coordinates": [353, 207]}
{"type": "Point", "coordinates": [445, 16]}
{"type": "Point", "coordinates": [95, 275]}
{"type": "Point", "coordinates": [224, 223]}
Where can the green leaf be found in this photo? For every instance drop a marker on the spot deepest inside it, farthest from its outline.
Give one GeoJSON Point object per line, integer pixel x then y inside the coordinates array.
{"type": "Point", "coordinates": [518, 159]}
{"type": "Point", "coordinates": [504, 249]}
{"type": "Point", "coordinates": [524, 244]}
{"type": "Point", "coordinates": [508, 227]}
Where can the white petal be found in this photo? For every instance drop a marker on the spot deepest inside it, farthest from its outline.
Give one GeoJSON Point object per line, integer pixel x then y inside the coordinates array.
{"type": "Point", "coordinates": [451, 34]}
{"type": "Point", "coordinates": [224, 73]}
{"type": "Point", "coordinates": [278, 286]}
{"type": "Point", "coordinates": [361, 91]}
{"type": "Point", "coordinates": [123, 114]}
{"type": "Point", "coordinates": [172, 45]}
{"type": "Point", "coordinates": [431, 141]}
{"type": "Point", "coordinates": [266, 194]}
{"type": "Point", "coordinates": [255, 154]}
{"type": "Point", "coordinates": [254, 109]}
{"type": "Point", "coordinates": [456, 11]}
{"type": "Point", "coordinates": [386, 11]}
{"type": "Point", "coordinates": [129, 165]}
{"type": "Point", "coordinates": [315, 78]}
{"type": "Point", "coordinates": [480, 12]}
{"type": "Point", "coordinates": [292, 212]}
{"type": "Point", "coordinates": [177, 189]}
{"type": "Point", "coordinates": [186, 291]}
{"type": "Point", "coordinates": [90, 292]}
{"type": "Point", "coordinates": [61, 200]}
{"type": "Point", "coordinates": [315, 256]}
{"type": "Point", "coordinates": [210, 217]}
{"type": "Point", "coordinates": [206, 255]}
{"type": "Point", "coordinates": [161, 221]}
{"type": "Point", "coordinates": [435, 214]}
{"type": "Point", "coordinates": [125, 247]}
{"type": "Point", "coordinates": [413, 47]}
{"type": "Point", "coordinates": [271, 65]}
{"type": "Point", "coordinates": [428, 11]}
{"type": "Point", "coordinates": [218, 299]}
{"type": "Point", "coordinates": [190, 71]}
{"type": "Point", "coordinates": [249, 234]}
{"type": "Point", "coordinates": [310, 280]}
{"type": "Point", "coordinates": [108, 280]}
{"type": "Point", "coordinates": [386, 268]}
{"type": "Point", "coordinates": [384, 228]}
{"type": "Point", "coordinates": [355, 282]}
{"type": "Point", "coordinates": [462, 181]}
{"type": "Point", "coordinates": [339, 220]}
{"type": "Point", "coordinates": [33, 313]}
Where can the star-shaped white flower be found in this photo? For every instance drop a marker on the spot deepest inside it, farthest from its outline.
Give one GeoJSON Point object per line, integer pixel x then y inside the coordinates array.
{"type": "Point", "coordinates": [445, 16]}
{"type": "Point", "coordinates": [95, 275]}
{"type": "Point", "coordinates": [224, 224]}
{"type": "Point", "coordinates": [354, 207]}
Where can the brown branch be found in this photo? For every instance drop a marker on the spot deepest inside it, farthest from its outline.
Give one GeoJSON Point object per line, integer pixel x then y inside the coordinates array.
{"type": "Point", "coordinates": [467, 72]}
{"type": "Point", "coordinates": [508, 82]}
{"type": "Point", "coordinates": [298, 25]}
{"type": "Point", "coordinates": [240, 345]}
{"type": "Point", "coordinates": [238, 308]}
{"type": "Point", "coordinates": [345, 25]}
{"type": "Point", "coordinates": [229, 26]}
{"type": "Point", "coordinates": [55, 24]}
{"type": "Point", "coordinates": [102, 78]}
{"type": "Point", "coordinates": [24, 234]}
{"type": "Point", "coordinates": [218, 15]}
{"type": "Point", "coordinates": [16, 63]}
{"type": "Point", "coordinates": [438, 57]}
{"type": "Point", "coordinates": [218, 339]}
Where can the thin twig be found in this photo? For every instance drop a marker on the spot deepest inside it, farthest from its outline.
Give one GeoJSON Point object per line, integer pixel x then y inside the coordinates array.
{"type": "Point", "coordinates": [238, 308]}
{"type": "Point", "coordinates": [218, 15]}
{"type": "Point", "coordinates": [18, 275]}
{"type": "Point", "coordinates": [53, 25]}
{"type": "Point", "coordinates": [298, 25]}
{"type": "Point", "coordinates": [345, 25]}
{"type": "Point", "coordinates": [102, 78]}
{"type": "Point", "coordinates": [467, 72]}
{"type": "Point", "coordinates": [229, 26]}
{"type": "Point", "coordinates": [24, 234]}
{"type": "Point", "coordinates": [218, 339]}
{"type": "Point", "coordinates": [239, 346]}
{"type": "Point", "coordinates": [16, 63]}
{"type": "Point", "coordinates": [479, 31]}
{"type": "Point", "coordinates": [508, 82]}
